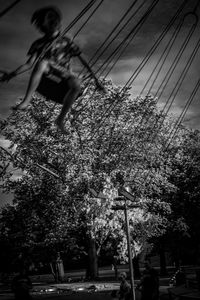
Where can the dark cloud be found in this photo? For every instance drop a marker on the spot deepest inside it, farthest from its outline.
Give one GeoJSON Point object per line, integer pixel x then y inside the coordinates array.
{"type": "Point", "coordinates": [17, 34]}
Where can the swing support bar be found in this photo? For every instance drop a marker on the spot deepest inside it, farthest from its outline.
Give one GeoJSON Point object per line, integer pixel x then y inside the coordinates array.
{"type": "Point", "coordinates": [38, 165]}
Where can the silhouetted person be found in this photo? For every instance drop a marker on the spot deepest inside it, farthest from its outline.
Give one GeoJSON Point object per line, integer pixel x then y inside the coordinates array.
{"type": "Point", "coordinates": [180, 277]}
{"type": "Point", "coordinates": [125, 288]}
{"type": "Point", "coordinates": [149, 284]}
{"type": "Point", "coordinates": [21, 286]}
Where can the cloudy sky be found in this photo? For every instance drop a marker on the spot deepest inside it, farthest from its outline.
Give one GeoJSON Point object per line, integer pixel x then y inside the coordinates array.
{"type": "Point", "coordinates": [17, 34]}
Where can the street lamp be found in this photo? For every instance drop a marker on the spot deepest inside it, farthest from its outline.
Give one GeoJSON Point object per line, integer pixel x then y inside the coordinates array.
{"type": "Point", "coordinates": [125, 208]}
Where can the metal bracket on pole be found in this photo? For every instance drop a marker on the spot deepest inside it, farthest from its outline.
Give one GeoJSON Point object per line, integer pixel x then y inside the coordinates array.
{"type": "Point", "coordinates": [97, 195]}
{"type": "Point", "coordinates": [126, 194]}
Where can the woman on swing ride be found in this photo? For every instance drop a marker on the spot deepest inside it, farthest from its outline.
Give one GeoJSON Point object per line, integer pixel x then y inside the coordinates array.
{"type": "Point", "coordinates": [54, 61]}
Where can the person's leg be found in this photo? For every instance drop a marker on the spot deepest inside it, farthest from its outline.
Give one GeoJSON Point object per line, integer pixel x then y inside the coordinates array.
{"type": "Point", "coordinates": [40, 68]}
{"type": "Point", "coordinates": [70, 97]}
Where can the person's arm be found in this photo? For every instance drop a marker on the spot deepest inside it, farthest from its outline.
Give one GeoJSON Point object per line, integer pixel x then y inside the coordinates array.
{"type": "Point", "coordinates": [85, 64]}
{"type": "Point", "coordinates": [75, 50]}
{"type": "Point", "coordinates": [127, 289]}
{"type": "Point", "coordinates": [23, 68]}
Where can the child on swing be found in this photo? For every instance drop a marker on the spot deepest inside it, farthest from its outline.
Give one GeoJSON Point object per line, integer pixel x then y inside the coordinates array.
{"type": "Point", "coordinates": [54, 59]}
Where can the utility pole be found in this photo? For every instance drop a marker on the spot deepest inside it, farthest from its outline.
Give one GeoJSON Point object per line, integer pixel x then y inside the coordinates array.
{"type": "Point", "coordinates": [125, 208]}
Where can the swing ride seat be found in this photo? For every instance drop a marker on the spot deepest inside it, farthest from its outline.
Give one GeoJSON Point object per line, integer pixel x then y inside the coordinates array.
{"type": "Point", "coordinates": [54, 88]}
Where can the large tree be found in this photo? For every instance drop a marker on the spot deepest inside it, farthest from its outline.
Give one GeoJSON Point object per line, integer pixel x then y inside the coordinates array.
{"type": "Point", "coordinates": [182, 237]}
{"type": "Point", "coordinates": [108, 143]}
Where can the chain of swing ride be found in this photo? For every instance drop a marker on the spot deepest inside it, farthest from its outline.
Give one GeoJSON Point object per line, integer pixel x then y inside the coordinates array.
{"type": "Point", "coordinates": [172, 68]}
{"type": "Point", "coordinates": [120, 48]}
{"type": "Point", "coordinates": [174, 129]}
{"type": "Point", "coordinates": [96, 56]}
{"type": "Point", "coordinates": [154, 48]}
{"type": "Point", "coordinates": [119, 23]}
{"type": "Point", "coordinates": [76, 19]}
{"type": "Point", "coordinates": [91, 3]}
{"type": "Point", "coordinates": [126, 13]}
{"type": "Point", "coordinates": [173, 94]}
{"type": "Point", "coordinates": [135, 29]}
{"type": "Point", "coordinates": [92, 14]}
{"type": "Point", "coordinates": [130, 18]}
{"type": "Point", "coordinates": [142, 64]}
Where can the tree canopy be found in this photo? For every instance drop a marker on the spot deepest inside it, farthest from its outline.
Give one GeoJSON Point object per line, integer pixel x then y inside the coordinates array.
{"type": "Point", "coordinates": [111, 141]}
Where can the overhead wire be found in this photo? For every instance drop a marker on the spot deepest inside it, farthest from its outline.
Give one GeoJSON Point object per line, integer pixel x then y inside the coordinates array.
{"type": "Point", "coordinates": [91, 3]}
{"type": "Point", "coordinates": [124, 47]}
{"type": "Point", "coordinates": [117, 34]}
{"type": "Point", "coordinates": [128, 40]}
{"type": "Point", "coordinates": [76, 19]}
{"type": "Point", "coordinates": [140, 67]}
{"type": "Point", "coordinates": [179, 82]}
{"type": "Point", "coordinates": [155, 46]}
{"type": "Point", "coordinates": [162, 58]}
{"type": "Point", "coordinates": [175, 61]}
{"type": "Point", "coordinates": [174, 130]}
{"type": "Point", "coordinates": [112, 40]}
{"type": "Point", "coordinates": [62, 33]}
{"type": "Point", "coordinates": [87, 20]}
{"type": "Point", "coordinates": [145, 15]}
{"type": "Point", "coordinates": [157, 124]}
{"type": "Point", "coordinates": [183, 74]}
{"type": "Point", "coordinates": [4, 11]}
{"type": "Point", "coordinates": [111, 33]}
{"type": "Point", "coordinates": [183, 113]}
{"type": "Point", "coordinates": [143, 63]}
{"type": "Point", "coordinates": [181, 78]}
{"type": "Point", "coordinates": [66, 29]}
{"type": "Point", "coordinates": [178, 56]}
{"type": "Point", "coordinates": [94, 59]}
{"type": "Point", "coordinates": [134, 29]}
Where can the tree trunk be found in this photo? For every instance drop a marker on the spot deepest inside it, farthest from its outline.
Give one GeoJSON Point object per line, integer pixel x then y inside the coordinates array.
{"type": "Point", "coordinates": [92, 270]}
{"type": "Point", "coordinates": [163, 269]}
{"type": "Point", "coordinates": [136, 267]}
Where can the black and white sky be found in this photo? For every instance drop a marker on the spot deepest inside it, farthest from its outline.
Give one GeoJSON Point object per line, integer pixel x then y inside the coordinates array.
{"type": "Point", "coordinates": [17, 34]}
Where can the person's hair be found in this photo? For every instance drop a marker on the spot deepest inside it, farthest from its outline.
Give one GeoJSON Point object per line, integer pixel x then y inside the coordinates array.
{"type": "Point", "coordinates": [39, 15]}
{"type": "Point", "coordinates": [123, 274]}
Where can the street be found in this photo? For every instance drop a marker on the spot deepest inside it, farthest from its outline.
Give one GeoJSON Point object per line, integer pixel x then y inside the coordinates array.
{"type": "Point", "coordinates": [81, 295]}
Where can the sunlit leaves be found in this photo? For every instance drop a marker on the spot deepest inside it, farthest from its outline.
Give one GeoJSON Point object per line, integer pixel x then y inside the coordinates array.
{"type": "Point", "coordinates": [107, 134]}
